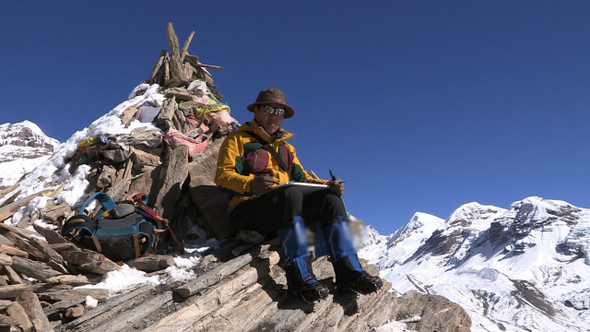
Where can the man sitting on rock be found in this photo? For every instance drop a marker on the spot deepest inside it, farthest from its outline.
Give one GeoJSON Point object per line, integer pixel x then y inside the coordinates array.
{"type": "Point", "coordinates": [257, 158]}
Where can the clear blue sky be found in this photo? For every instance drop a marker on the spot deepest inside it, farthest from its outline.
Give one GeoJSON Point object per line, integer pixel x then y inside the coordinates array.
{"type": "Point", "coordinates": [417, 105]}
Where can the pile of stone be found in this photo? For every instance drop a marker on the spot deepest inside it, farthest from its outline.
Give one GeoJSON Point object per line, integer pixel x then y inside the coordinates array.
{"type": "Point", "coordinates": [178, 67]}
{"type": "Point", "coordinates": [178, 181]}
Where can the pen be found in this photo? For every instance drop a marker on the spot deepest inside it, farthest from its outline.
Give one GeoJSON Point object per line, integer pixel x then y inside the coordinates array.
{"type": "Point", "coordinates": [332, 175]}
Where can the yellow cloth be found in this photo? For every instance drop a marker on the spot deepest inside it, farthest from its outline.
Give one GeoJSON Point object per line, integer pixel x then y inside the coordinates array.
{"type": "Point", "coordinates": [88, 142]}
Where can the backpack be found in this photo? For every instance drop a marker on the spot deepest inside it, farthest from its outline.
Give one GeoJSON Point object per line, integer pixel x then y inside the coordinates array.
{"type": "Point", "coordinates": [119, 231]}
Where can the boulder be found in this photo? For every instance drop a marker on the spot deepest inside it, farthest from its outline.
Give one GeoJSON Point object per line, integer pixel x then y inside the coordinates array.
{"type": "Point", "coordinates": [436, 313]}
{"type": "Point", "coordinates": [167, 187]}
{"type": "Point", "coordinates": [211, 202]}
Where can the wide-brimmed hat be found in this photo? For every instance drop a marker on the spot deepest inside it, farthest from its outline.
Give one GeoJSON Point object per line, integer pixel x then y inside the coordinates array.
{"type": "Point", "coordinates": [274, 97]}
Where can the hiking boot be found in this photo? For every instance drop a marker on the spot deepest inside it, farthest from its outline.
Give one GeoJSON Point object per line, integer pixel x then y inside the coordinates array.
{"type": "Point", "coordinates": [347, 278]}
{"type": "Point", "coordinates": [308, 290]}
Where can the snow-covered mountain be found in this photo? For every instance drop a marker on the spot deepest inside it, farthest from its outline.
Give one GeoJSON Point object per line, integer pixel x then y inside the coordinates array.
{"type": "Point", "coordinates": [23, 146]}
{"type": "Point", "coordinates": [525, 268]}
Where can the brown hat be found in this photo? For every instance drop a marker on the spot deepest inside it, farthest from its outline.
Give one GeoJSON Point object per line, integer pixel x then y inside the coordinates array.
{"type": "Point", "coordinates": [272, 96]}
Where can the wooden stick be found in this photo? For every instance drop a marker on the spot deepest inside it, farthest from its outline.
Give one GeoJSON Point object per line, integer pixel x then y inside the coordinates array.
{"type": "Point", "coordinates": [172, 39]}
{"type": "Point", "coordinates": [184, 51]}
{"type": "Point", "coordinates": [175, 63]}
{"type": "Point", "coordinates": [194, 61]}
{"type": "Point", "coordinates": [158, 65]}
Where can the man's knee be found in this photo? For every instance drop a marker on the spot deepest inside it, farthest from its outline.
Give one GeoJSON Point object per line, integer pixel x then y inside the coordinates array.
{"type": "Point", "coordinates": [293, 197]}
{"type": "Point", "coordinates": [334, 208]}
{"type": "Point", "coordinates": [291, 200]}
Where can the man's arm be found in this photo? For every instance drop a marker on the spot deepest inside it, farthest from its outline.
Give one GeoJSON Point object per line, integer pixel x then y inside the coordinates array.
{"type": "Point", "coordinates": [229, 166]}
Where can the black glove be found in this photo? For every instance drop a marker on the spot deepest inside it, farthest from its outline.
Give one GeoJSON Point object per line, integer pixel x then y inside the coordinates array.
{"type": "Point", "coordinates": [337, 186]}
{"type": "Point", "coordinates": [261, 183]}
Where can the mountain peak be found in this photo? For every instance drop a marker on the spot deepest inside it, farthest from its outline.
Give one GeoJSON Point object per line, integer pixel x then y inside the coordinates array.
{"type": "Point", "coordinates": [23, 146]}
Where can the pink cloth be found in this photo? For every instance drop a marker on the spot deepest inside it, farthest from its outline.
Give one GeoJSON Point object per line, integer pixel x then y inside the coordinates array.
{"type": "Point", "coordinates": [193, 123]}
{"type": "Point", "coordinates": [175, 138]}
{"type": "Point", "coordinates": [222, 118]}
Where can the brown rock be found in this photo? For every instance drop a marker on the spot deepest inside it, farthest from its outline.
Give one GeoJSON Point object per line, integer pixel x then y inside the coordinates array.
{"type": "Point", "coordinates": [141, 158]}
{"type": "Point", "coordinates": [106, 177]}
{"type": "Point", "coordinates": [128, 115]}
{"type": "Point", "coordinates": [33, 269]}
{"type": "Point", "coordinates": [81, 257]}
{"type": "Point", "coordinates": [71, 280]}
{"type": "Point", "coordinates": [143, 183]}
{"type": "Point", "coordinates": [165, 116]}
{"type": "Point", "coordinates": [100, 267]}
{"type": "Point", "coordinates": [211, 202]}
{"type": "Point", "coordinates": [75, 312]}
{"type": "Point", "coordinates": [5, 260]}
{"type": "Point", "coordinates": [29, 301]}
{"type": "Point", "coordinates": [188, 107]}
{"type": "Point", "coordinates": [168, 185]}
{"type": "Point", "coordinates": [50, 235]}
{"type": "Point", "coordinates": [115, 155]}
{"type": "Point", "coordinates": [436, 313]}
{"type": "Point", "coordinates": [180, 94]}
{"type": "Point", "coordinates": [18, 313]}
{"type": "Point", "coordinates": [56, 214]}
{"type": "Point", "coordinates": [152, 263]}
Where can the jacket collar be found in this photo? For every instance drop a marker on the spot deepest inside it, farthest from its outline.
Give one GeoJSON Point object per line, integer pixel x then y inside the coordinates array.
{"type": "Point", "coordinates": [254, 127]}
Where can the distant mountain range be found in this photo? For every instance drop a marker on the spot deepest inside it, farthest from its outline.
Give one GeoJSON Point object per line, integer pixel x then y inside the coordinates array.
{"type": "Point", "coordinates": [23, 146]}
{"type": "Point", "coordinates": [525, 268]}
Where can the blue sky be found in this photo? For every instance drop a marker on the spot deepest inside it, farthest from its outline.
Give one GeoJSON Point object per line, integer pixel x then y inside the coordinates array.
{"type": "Point", "coordinates": [417, 105]}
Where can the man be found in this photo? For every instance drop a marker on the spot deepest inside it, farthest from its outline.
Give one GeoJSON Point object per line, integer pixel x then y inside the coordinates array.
{"type": "Point", "coordinates": [257, 158]}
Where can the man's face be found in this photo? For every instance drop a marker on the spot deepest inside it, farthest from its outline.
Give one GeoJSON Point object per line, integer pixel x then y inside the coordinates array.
{"type": "Point", "coordinates": [270, 122]}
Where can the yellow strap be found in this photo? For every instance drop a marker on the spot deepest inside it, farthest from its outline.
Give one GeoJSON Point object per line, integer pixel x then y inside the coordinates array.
{"type": "Point", "coordinates": [136, 244]}
{"type": "Point", "coordinates": [167, 223]}
{"type": "Point", "coordinates": [97, 244]}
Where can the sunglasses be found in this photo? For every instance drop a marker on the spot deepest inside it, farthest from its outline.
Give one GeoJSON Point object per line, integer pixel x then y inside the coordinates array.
{"type": "Point", "coordinates": [273, 110]}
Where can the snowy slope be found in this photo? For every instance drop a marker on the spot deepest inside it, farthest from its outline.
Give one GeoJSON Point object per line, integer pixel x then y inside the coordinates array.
{"type": "Point", "coordinates": [521, 269]}
{"type": "Point", "coordinates": [23, 146]}
{"type": "Point", "coordinates": [52, 173]}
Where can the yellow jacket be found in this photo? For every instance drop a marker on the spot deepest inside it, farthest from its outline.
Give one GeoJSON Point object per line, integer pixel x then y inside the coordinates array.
{"type": "Point", "coordinates": [241, 157]}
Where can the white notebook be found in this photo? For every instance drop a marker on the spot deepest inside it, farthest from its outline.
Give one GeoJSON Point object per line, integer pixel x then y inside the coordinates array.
{"type": "Point", "coordinates": [305, 187]}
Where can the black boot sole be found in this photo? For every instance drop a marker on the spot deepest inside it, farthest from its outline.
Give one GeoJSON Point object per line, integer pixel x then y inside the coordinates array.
{"type": "Point", "coordinates": [349, 286]}
{"type": "Point", "coordinates": [314, 297]}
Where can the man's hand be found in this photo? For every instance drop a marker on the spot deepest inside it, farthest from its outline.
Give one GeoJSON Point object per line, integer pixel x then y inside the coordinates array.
{"type": "Point", "coordinates": [261, 184]}
{"type": "Point", "coordinates": [337, 186]}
